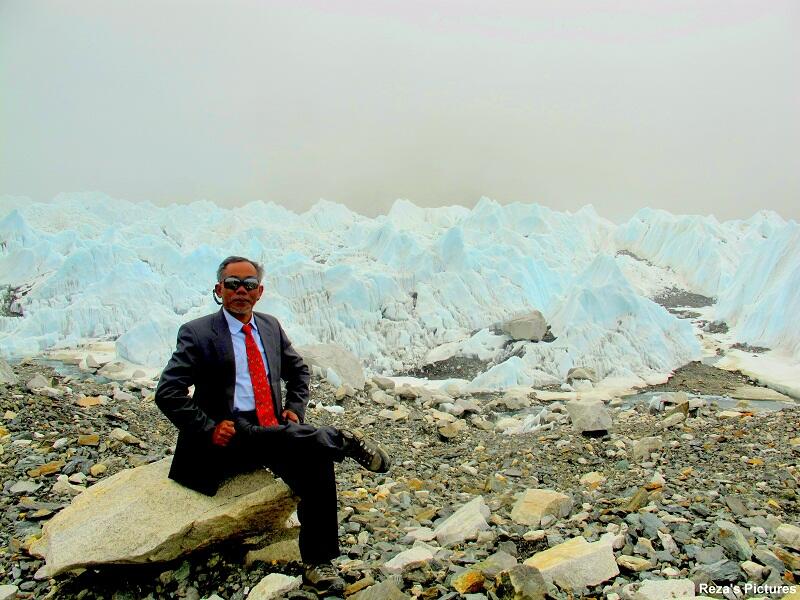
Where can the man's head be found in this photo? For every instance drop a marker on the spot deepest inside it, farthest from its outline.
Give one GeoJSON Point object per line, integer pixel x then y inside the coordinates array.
{"type": "Point", "coordinates": [234, 276]}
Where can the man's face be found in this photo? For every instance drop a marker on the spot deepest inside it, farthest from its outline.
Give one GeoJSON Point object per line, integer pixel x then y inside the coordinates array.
{"type": "Point", "coordinates": [239, 302]}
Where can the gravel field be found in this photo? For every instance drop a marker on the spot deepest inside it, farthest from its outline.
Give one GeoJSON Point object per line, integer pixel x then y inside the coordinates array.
{"type": "Point", "coordinates": [710, 496]}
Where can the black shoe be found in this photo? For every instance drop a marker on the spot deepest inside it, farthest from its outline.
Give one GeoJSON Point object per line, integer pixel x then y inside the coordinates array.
{"type": "Point", "coordinates": [365, 452]}
{"type": "Point", "coordinates": [323, 579]}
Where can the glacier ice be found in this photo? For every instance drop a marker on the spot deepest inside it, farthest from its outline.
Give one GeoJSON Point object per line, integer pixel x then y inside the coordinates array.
{"type": "Point", "coordinates": [394, 289]}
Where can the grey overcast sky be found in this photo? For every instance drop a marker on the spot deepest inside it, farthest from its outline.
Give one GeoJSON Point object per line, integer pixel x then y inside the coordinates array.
{"type": "Point", "coordinates": [692, 106]}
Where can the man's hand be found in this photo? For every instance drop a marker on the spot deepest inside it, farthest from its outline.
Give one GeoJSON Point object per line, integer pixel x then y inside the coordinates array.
{"type": "Point", "coordinates": [223, 433]}
{"type": "Point", "coordinates": [289, 415]}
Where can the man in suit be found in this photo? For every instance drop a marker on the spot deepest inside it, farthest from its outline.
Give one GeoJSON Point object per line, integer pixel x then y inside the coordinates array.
{"type": "Point", "coordinates": [238, 419]}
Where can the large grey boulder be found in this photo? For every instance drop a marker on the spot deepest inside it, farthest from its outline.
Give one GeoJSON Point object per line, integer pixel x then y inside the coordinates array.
{"type": "Point", "coordinates": [273, 586]}
{"type": "Point", "coordinates": [531, 326]}
{"type": "Point", "coordinates": [577, 373]}
{"type": "Point", "coordinates": [7, 375]}
{"type": "Point", "coordinates": [37, 382]}
{"type": "Point", "coordinates": [141, 516]}
{"type": "Point", "coordinates": [576, 563]}
{"type": "Point", "coordinates": [589, 416]}
{"type": "Point", "coordinates": [788, 535]}
{"type": "Point", "coordinates": [332, 357]}
{"type": "Point", "coordinates": [535, 504]}
{"type": "Point", "coordinates": [464, 524]}
{"type": "Point", "coordinates": [643, 447]}
{"type": "Point", "coordinates": [414, 556]}
{"type": "Point", "coordinates": [732, 539]}
{"type": "Point", "coordinates": [8, 592]}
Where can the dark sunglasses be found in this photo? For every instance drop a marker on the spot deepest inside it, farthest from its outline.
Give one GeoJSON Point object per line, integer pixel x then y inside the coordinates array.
{"type": "Point", "coordinates": [233, 283]}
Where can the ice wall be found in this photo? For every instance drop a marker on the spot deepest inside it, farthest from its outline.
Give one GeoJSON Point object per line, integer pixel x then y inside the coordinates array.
{"type": "Point", "coordinates": [762, 302]}
{"type": "Point", "coordinates": [389, 289]}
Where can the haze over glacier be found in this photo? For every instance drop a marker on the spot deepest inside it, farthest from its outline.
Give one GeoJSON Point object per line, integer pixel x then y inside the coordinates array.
{"type": "Point", "coordinates": [394, 288]}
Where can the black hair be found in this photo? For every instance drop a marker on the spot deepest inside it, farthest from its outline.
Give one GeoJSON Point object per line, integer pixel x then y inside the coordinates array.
{"type": "Point", "coordinates": [235, 259]}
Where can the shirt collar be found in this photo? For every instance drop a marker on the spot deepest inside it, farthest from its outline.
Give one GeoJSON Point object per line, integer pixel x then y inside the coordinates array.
{"type": "Point", "coordinates": [235, 325]}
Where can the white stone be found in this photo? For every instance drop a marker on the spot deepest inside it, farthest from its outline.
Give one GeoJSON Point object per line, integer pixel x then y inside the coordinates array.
{"type": "Point", "coordinates": [749, 392]}
{"type": "Point", "coordinates": [728, 414]}
{"type": "Point", "coordinates": [534, 535]}
{"type": "Point", "coordinates": [576, 563]}
{"type": "Point", "coordinates": [668, 543]}
{"type": "Point", "coordinates": [383, 382]}
{"type": "Point", "coordinates": [274, 585]}
{"type": "Point", "coordinates": [788, 535]}
{"type": "Point", "coordinates": [62, 486]}
{"type": "Point", "coordinates": [634, 563]}
{"type": "Point", "coordinates": [672, 420]}
{"type": "Point", "coordinates": [77, 478]}
{"type": "Point", "coordinates": [451, 409]}
{"type": "Point", "coordinates": [344, 391]}
{"type": "Point", "coordinates": [50, 392]}
{"type": "Point", "coordinates": [401, 413]}
{"type": "Point", "coordinates": [141, 516]}
{"type": "Point", "coordinates": [469, 469]}
{"type": "Point", "coordinates": [513, 400]}
{"type": "Point", "coordinates": [121, 435]}
{"type": "Point", "coordinates": [25, 487]}
{"type": "Point", "coordinates": [531, 326]}
{"type": "Point", "coordinates": [581, 373]}
{"type": "Point", "coordinates": [414, 556]}
{"type": "Point", "coordinates": [408, 392]}
{"type": "Point", "coordinates": [8, 592]}
{"type": "Point", "coordinates": [122, 396]}
{"type": "Point", "coordinates": [381, 397]}
{"type": "Point", "coordinates": [443, 417]}
{"type": "Point", "coordinates": [592, 480]}
{"type": "Point", "coordinates": [534, 504]}
{"type": "Point", "coordinates": [589, 415]}
{"type": "Point", "coordinates": [467, 405]}
{"type": "Point", "coordinates": [464, 524]}
{"type": "Point", "coordinates": [643, 447]}
{"type": "Point", "coordinates": [37, 382]}
{"type": "Point", "coordinates": [663, 590]}
{"type": "Point", "coordinates": [754, 570]}
{"type": "Point", "coordinates": [7, 375]}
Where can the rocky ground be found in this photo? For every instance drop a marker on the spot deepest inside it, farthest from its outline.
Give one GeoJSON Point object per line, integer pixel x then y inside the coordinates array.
{"type": "Point", "coordinates": [698, 378]}
{"type": "Point", "coordinates": [457, 367]}
{"type": "Point", "coordinates": [676, 298]}
{"type": "Point", "coordinates": [698, 494]}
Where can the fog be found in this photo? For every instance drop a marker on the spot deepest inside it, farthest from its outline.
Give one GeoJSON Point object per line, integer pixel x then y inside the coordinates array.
{"type": "Point", "coordinates": [689, 106]}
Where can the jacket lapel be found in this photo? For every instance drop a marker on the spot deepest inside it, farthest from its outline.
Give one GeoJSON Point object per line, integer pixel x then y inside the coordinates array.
{"type": "Point", "coordinates": [224, 347]}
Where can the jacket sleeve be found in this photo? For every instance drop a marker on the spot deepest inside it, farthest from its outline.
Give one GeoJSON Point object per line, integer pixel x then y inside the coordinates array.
{"type": "Point", "coordinates": [296, 375]}
{"type": "Point", "coordinates": [172, 393]}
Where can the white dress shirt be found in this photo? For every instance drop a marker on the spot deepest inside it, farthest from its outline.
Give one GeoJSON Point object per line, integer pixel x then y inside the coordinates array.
{"type": "Point", "coordinates": [243, 398]}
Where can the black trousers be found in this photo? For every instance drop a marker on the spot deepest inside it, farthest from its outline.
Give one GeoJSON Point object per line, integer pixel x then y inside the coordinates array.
{"type": "Point", "coordinates": [303, 456]}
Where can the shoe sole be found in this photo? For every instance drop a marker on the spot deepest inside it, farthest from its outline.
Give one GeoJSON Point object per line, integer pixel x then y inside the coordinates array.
{"type": "Point", "coordinates": [324, 591]}
{"type": "Point", "coordinates": [386, 462]}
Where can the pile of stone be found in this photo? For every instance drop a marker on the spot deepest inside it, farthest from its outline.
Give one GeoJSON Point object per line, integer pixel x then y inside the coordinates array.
{"type": "Point", "coordinates": [601, 500]}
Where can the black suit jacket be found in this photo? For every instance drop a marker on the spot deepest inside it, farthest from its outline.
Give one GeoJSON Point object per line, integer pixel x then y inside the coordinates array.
{"type": "Point", "coordinates": [204, 358]}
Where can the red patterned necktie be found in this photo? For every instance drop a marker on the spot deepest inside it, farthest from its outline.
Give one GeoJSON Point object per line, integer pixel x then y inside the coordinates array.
{"type": "Point", "coordinates": [262, 391]}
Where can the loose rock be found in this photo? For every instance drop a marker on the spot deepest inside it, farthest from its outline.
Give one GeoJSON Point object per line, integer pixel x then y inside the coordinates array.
{"type": "Point", "coordinates": [576, 563]}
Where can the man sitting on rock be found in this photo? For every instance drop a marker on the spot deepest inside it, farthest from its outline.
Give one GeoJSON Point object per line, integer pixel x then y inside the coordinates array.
{"type": "Point", "coordinates": [238, 420]}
